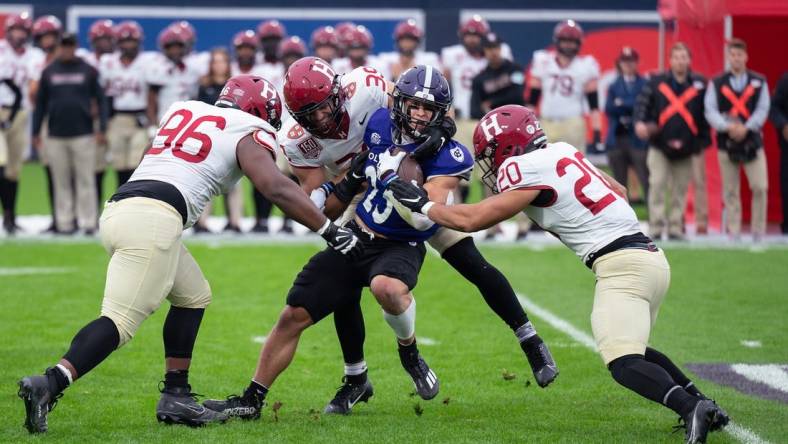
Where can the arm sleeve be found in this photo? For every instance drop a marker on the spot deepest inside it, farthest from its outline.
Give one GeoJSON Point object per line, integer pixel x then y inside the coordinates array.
{"type": "Point", "coordinates": [758, 117]}
{"type": "Point", "coordinates": [456, 161]}
{"type": "Point", "coordinates": [712, 111]}
{"type": "Point", "coordinates": [644, 109]}
{"type": "Point", "coordinates": [610, 98]}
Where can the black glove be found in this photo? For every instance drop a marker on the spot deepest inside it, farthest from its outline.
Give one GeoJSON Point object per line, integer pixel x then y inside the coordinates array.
{"type": "Point", "coordinates": [437, 136]}
{"type": "Point", "coordinates": [354, 178]}
{"type": "Point", "coordinates": [410, 196]}
{"type": "Point", "coordinates": [342, 240]}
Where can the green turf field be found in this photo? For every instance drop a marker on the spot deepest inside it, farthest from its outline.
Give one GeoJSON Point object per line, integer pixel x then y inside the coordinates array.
{"type": "Point", "coordinates": [717, 299]}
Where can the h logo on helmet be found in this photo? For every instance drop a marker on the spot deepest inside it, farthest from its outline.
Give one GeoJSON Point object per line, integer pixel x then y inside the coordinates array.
{"type": "Point", "coordinates": [491, 127]}
{"type": "Point", "coordinates": [320, 66]}
{"type": "Point", "coordinates": [268, 92]}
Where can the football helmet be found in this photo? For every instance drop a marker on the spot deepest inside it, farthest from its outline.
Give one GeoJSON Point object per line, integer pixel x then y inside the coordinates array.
{"type": "Point", "coordinates": [420, 85]}
{"type": "Point", "coordinates": [48, 24]}
{"type": "Point", "coordinates": [324, 36]}
{"type": "Point", "coordinates": [311, 84]}
{"type": "Point", "coordinates": [568, 30]}
{"type": "Point", "coordinates": [253, 95]}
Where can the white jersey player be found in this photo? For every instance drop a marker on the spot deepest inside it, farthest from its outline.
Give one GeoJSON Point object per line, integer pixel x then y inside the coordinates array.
{"type": "Point", "coordinates": [567, 85]}
{"type": "Point", "coordinates": [407, 37]}
{"type": "Point", "coordinates": [171, 79]}
{"type": "Point", "coordinates": [587, 211]}
{"type": "Point", "coordinates": [199, 150]}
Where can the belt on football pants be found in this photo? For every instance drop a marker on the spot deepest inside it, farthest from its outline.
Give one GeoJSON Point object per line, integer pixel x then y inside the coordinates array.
{"type": "Point", "coordinates": [648, 246]}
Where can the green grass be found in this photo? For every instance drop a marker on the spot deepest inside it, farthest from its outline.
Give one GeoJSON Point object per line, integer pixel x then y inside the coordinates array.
{"type": "Point", "coordinates": [717, 298]}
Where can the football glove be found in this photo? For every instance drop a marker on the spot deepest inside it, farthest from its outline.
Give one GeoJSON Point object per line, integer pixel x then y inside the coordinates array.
{"type": "Point", "coordinates": [437, 136]}
{"type": "Point", "coordinates": [410, 196]}
{"type": "Point", "coordinates": [342, 240]}
{"type": "Point", "coordinates": [388, 164]}
{"type": "Point", "coordinates": [354, 178]}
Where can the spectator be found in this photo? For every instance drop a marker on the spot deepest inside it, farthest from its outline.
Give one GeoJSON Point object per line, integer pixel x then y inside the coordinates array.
{"type": "Point", "coordinates": [669, 114]}
{"type": "Point", "coordinates": [69, 89]}
{"type": "Point", "coordinates": [624, 149]}
{"type": "Point", "coordinates": [210, 87]}
{"type": "Point", "coordinates": [779, 115]}
{"type": "Point", "coordinates": [737, 105]}
{"type": "Point", "coordinates": [324, 43]}
{"type": "Point", "coordinates": [565, 81]}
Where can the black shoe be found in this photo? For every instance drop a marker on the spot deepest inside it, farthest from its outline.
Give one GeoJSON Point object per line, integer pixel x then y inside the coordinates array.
{"type": "Point", "coordinates": [287, 228]}
{"type": "Point", "coordinates": [178, 405]}
{"type": "Point", "coordinates": [200, 229]}
{"type": "Point", "coordinates": [231, 228]}
{"type": "Point", "coordinates": [522, 235]}
{"type": "Point", "coordinates": [720, 420]}
{"type": "Point", "coordinates": [9, 223]}
{"type": "Point", "coordinates": [34, 390]}
{"type": "Point", "coordinates": [427, 384]}
{"type": "Point", "coordinates": [348, 395]}
{"type": "Point", "coordinates": [260, 227]}
{"type": "Point", "coordinates": [244, 407]}
{"type": "Point", "coordinates": [698, 422]}
{"type": "Point", "coordinates": [541, 361]}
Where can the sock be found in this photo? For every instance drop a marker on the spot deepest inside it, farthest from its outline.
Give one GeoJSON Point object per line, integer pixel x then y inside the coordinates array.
{"type": "Point", "coordinates": [180, 331]}
{"type": "Point", "coordinates": [651, 381]}
{"type": "Point", "coordinates": [256, 391]}
{"type": "Point", "coordinates": [681, 379]}
{"type": "Point", "coordinates": [262, 206]}
{"type": "Point", "coordinates": [92, 344]}
{"type": "Point", "coordinates": [356, 373]}
{"type": "Point", "coordinates": [13, 190]}
{"type": "Point", "coordinates": [525, 332]}
{"type": "Point", "coordinates": [408, 354]}
{"type": "Point", "coordinates": [50, 190]}
{"type": "Point", "coordinates": [492, 284]}
{"type": "Point", "coordinates": [349, 324]}
{"type": "Point", "coordinates": [58, 379]}
{"type": "Point", "coordinates": [176, 379]}
{"type": "Point", "coordinates": [4, 200]}
{"type": "Point", "coordinates": [403, 324]}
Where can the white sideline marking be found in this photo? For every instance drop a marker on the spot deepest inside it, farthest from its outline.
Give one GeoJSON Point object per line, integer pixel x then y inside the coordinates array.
{"type": "Point", "coordinates": [427, 341]}
{"type": "Point", "coordinates": [741, 433]}
{"type": "Point", "coordinates": [21, 271]}
{"type": "Point", "coordinates": [751, 344]}
{"type": "Point", "coordinates": [259, 339]}
{"type": "Point", "coordinates": [773, 375]}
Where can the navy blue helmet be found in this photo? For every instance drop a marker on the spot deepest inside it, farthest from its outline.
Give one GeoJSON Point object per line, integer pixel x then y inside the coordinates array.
{"type": "Point", "coordinates": [425, 88]}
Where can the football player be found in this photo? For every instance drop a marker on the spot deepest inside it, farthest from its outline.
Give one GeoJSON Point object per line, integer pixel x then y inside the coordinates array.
{"type": "Point", "coordinates": [325, 150]}
{"type": "Point", "coordinates": [358, 43]}
{"type": "Point", "coordinates": [586, 209]}
{"type": "Point", "coordinates": [171, 80]}
{"type": "Point", "coordinates": [245, 50]}
{"type": "Point", "coordinates": [407, 38]}
{"type": "Point", "coordinates": [199, 151]}
{"type": "Point", "coordinates": [324, 43]}
{"type": "Point", "coordinates": [566, 83]}
{"type": "Point", "coordinates": [197, 60]}
{"type": "Point", "coordinates": [124, 73]}
{"type": "Point", "coordinates": [290, 50]}
{"type": "Point", "coordinates": [102, 41]}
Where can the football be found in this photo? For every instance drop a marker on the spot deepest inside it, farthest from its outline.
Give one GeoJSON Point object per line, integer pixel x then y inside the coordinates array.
{"type": "Point", "coordinates": [410, 170]}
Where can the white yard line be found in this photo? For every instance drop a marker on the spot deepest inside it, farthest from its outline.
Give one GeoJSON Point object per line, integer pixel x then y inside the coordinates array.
{"type": "Point", "coordinates": [23, 271]}
{"type": "Point", "coordinates": [741, 433]}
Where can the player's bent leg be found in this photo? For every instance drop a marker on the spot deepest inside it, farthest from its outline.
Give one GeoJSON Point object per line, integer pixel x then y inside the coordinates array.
{"type": "Point", "coordinates": [464, 257]}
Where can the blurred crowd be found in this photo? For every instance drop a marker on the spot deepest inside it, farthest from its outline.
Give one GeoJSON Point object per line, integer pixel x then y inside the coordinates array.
{"type": "Point", "coordinates": [85, 111]}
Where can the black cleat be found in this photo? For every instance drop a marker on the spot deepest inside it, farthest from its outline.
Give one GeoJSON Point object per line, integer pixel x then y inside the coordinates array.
{"type": "Point", "coordinates": [427, 384]}
{"type": "Point", "coordinates": [261, 227]}
{"type": "Point", "coordinates": [699, 421]}
{"type": "Point", "coordinates": [178, 405]}
{"type": "Point", "coordinates": [541, 361]}
{"type": "Point", "coordinates": [720, 420]}
{"type": "Point", "coordinates": [244, 407]}
{"type": "Point", "coordinates": [287, 228]}
{"type": "Point", "coordinates": [347, 396]}
{"type": "Point", "coordinates": [34, 390]}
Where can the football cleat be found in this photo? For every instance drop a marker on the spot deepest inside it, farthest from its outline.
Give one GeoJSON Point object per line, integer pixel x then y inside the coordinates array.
{"type": "Point", "coordinates": [720, 420]}
{"type": "Point", "coordinates": [234, 406]}
{"type": "Point", "coordinates": [698, 422]}
{"type": "Point", "coordinates": [34, 391]}
{"type": "Point", "coordinates": [178, 405]}
{"type": "Point", "coordinates": [347, 396]}
{"type": "Point", "coordinates": [427, 384]}
{"type": "Point", "coordinates": [541, 361]}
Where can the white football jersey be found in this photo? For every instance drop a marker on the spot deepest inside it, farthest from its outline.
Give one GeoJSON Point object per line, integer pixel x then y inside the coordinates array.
{"type": "Point", "coordinates": [365, 89]}
{"type": "Point", "coordinates": [392, 59]}
{"type": "Point", "coordinates": [199, 61]}
{"type": "Point", "coordinates": [127, 84]}
{"type": "Point", "coordinates": [585, 213]}
{"type": "Point", "coordinates": [194, 150]}
{"type": "Point", "coordinates": [20, 67]}
{"type": "Point", "coordinates": [88, 56]}
{"type": "Point", "coordinates": [273, 72]}
{"type": "Point", "coordinates": [176, 82]}
{"type": "Point", "coordinates": [343, 65]}
{"type": "Point", "coordinates": [463, 67]}
{"type": "Point", "coordinates": [562, 87]}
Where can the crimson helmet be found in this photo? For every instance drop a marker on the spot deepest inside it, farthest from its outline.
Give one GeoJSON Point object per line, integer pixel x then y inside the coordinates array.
{"type": "Point", "coordinates": [324, 36]}
{"type": "Point", "coordinates": [171, 36]}
{"type": "Point", "coordinates": [474, 25]}
{"type": "Point", "coordinates": [22, 21]}
{"type": "Point", "coordinates": [48, 24]}
{"type": "Point", "coordinates": [292, 46]}
{"type": "Point", "coordinates": [187, 29]}
{"type": "Point", "coordinates": [408, 28]}
{"type": "Point", "coordinates": [245, 38]}
{"type": "Point", "coordinates": [101, 29]}
{"type": "Point", "coordinates": [128, 30]}
{"type": "Point", "coordinates": [360, 37]}
{"type": "Point", "coordinates": [567, 30]}
{"type": "Point", "coordinates": [271, 29]}
{"type": "Point", "coordinates": [344, 33]}
{"type": "Point", "coordinates": [510, 130]}
{"type": "Point", "coordinates": [310, 84]}
{"type": "Point", "coordinates": [253, 95]}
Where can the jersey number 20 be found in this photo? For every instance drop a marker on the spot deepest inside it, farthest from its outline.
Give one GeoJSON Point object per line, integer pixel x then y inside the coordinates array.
{"type": "Point", "coordinates": [180, 130]}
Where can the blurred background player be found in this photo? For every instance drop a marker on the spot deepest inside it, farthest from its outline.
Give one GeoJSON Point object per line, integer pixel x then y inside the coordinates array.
{"type": "Point", "coordinates": [407, 40]}
{"type": "Point", "coordinates": [197, 60]}
{"type": "Point", "coordinates": [171, 79]}
{"type": "Point", "coordinates": [245, 45]}
{"type": "Point", "coordinates": [125, 75]}
{"type": "Point", "coordinates": [779, 118]}
{"type": "Point", "coordinates": [291, 49]}
{"type": "Point", "coordinates": [567, 85]}
{"type": "Point", "coordinates": [669, 113]}
{"type": "Point", "coordinates": [324, 43]}
{"type": "Point", "coordinates": [344, 32]}
{"type": "Point", "coordinates": [358, 43]}
{"type": "Point", "coordinates": [623, 148]}
{"type": "Point", "coordinates": [17, 58]}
